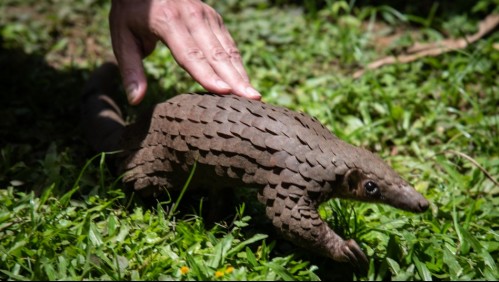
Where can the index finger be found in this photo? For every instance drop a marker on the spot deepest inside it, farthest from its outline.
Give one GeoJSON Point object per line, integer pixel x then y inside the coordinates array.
{"type": "Point", "coordinates": [219, 59]}
{"type": "Point", "coordinates": [228, 43]}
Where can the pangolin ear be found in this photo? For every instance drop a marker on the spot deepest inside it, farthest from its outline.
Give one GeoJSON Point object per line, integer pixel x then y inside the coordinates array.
{"type": "Point", "coordinates": [353, 178]}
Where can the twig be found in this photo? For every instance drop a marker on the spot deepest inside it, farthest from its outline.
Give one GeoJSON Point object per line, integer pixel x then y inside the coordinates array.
{"type": "Point", "coordinates": [419, 50]}
{"type": "Point", "coordinates": [489, 176]}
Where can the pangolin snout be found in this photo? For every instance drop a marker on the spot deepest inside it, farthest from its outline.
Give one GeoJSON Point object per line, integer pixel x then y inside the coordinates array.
{"type": "Point", "coordinates": [423, 204]}
{"type": "Point", "coordinates": [407, 198]}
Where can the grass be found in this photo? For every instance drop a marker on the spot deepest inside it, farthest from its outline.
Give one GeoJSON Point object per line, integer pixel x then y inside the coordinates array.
{"type": "Point", "coordinates": [64, 215]}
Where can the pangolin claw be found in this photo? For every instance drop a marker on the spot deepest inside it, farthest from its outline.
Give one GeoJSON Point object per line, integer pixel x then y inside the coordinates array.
{"type": "Point", "coordinates": [355, 255]}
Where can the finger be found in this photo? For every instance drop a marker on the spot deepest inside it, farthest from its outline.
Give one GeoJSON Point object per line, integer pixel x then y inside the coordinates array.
{"type": "Point", "coordinates": [218, 58]}
{"type": "Point", "coordinates": [129, 55]}
{"type": "Point", "coordinates": [223, 35]}
{"type": "Point", "coordinates": [191, 58]}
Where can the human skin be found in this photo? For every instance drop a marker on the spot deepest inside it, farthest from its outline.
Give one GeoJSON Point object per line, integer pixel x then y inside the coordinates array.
{"type": "Point", "coordinates": [196, 36]}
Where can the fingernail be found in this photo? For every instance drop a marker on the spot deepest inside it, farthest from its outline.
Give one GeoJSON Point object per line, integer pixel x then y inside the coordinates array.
{"type": "Point", "coordinates": [252, 93]}
{"type": "Point", "coordinates": [131, 92]}
{"type": "Point", "coordinates": [222, 84]}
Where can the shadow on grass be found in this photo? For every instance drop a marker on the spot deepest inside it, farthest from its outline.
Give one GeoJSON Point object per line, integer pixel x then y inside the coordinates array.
{"type": "Point", "coordinates": [41, 139]}
{"type": "Point", "coordinates": [38, 103]}
{"type": "Point", "coordinates": [39, 106]}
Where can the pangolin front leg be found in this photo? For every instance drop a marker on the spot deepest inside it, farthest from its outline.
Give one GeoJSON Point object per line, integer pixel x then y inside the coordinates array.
{"type": "Point", "coordinates": [295, 217]}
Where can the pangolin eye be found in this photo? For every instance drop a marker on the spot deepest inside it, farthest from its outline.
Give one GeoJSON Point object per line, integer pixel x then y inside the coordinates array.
{"type": "Point", "coordinates": [371, 187]}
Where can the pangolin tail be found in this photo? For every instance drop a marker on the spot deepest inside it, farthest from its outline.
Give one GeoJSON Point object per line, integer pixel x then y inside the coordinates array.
{"type": "Point", "coordinates": [102, 120]}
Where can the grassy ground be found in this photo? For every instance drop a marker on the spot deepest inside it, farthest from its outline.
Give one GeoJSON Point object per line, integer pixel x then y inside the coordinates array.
{"type": "Point", "coordinates": [63, 214]}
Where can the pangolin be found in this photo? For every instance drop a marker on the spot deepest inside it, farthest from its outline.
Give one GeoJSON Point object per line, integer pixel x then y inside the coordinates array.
{"type": "Point", "coordinates": [294, 161]}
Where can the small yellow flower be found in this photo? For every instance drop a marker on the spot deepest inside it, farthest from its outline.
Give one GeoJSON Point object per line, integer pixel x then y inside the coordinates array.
{"type": "Point", "coordinates": [219, 274]}
{"type": "Point", "coordinates": [229, 269]}
{"type": "Point", "coordinates": [184, 270]}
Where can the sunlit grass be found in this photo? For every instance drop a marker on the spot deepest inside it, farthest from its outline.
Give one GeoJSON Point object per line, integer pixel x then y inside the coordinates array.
{"type": "Point", "coordinates": [64, 215]}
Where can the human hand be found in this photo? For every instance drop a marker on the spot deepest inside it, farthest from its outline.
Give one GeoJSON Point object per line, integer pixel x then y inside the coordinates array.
{"type": "Point", "coordinates": [195, 34]}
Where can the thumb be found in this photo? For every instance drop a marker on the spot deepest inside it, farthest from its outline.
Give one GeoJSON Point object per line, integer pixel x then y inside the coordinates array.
{"type": "Point", "coordinates": [129, 56]}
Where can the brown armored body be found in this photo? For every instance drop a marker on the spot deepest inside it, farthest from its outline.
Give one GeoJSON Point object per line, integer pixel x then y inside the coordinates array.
{"type": "Point", "coordinates": [294, 160]}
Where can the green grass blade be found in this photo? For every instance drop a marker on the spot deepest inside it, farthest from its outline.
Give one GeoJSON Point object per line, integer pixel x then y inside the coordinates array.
{"type": "Point", "coordinates": [280, 270]}
{"type": "Point", "coordinates": [423, 271]}
{"type": "Point", "coordinates": [175, 206]}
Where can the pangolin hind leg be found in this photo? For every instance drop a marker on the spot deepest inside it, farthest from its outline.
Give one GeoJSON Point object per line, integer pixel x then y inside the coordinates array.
{"type": "Point", "coordinates": [101, 118]}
